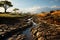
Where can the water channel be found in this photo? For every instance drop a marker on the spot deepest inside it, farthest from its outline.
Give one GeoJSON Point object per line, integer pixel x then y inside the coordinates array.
{"type": "Point", "coordinates": [27, 31]}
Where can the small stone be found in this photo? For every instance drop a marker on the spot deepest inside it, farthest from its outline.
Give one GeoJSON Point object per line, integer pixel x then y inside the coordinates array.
{"type": "Point", "coordinates": [0, 30]}
{"type": "Point", "coordinates": [34, 31]}
{"type": "Point", "coordinates": [41, 38]}
{"type": "Point", "coordinates": [38, 34]}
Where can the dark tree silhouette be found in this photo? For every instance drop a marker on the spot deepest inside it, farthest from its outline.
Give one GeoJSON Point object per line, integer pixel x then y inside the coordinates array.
{"type": "Point", "coordinates": [15, 10]}
{"type": "Point", "coordinates": [5, 4]}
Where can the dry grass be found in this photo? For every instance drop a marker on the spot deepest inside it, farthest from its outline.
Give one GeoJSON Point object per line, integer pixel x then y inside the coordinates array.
{"type": "Point", "coordinates": [10, 15]}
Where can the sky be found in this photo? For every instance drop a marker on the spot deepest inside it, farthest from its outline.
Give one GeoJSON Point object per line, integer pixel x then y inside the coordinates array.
{"type": "Point", "coordinates": [34, 6]}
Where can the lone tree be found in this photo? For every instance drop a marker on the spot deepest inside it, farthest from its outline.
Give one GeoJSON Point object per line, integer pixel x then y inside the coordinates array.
{"type": "Point", "coordinates": [5, 4]}
{"type": "Point", "coordinates": [15, 10]}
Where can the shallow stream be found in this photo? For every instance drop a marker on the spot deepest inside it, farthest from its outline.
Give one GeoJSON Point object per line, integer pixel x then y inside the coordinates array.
{"type": "Point", "coordinates": [27, 31]}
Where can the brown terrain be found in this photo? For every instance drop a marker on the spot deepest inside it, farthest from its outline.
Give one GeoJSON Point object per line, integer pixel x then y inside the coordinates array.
{"type": "Point", "coordinates": [48, 26]}
{"type": "Point", "coordinates": [11, 28]}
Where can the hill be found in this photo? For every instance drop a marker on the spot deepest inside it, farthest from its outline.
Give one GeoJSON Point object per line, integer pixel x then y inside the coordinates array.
{"type": "Point", "coordinates": [48, 27]}
{"type": "Point", "coordinates": [52, 17]}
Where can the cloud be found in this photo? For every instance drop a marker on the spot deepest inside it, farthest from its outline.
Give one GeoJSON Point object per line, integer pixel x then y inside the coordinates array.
{"type": "Point", "coordinates": [55, 6]}
{"type": "Point", "coordinates": [1, 9]}
{"type": "Point", "coordinates": [10, 9]}
{"type": "Point", "coordinates": [52, 1]}
{"type": "Point", "coordinates": [32, 9]}
{"type": "Point", "coordinates": [37, 9]}
{"type": "Point", "coordinates": [4, 0]}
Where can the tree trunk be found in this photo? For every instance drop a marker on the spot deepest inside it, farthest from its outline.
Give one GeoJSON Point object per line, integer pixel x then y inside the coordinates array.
{"type": "Point", "coordinates": [5, 10]}
{"type": "Point", "coordinates": [5, 7]}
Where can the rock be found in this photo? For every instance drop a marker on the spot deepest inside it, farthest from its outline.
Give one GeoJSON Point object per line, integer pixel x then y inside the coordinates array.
{"type": "Point", "coordinates": [41, 38]}
{"type": "Point", "coordinates": [46, 31]}
{"type": "Point", "coordinates": [39, 34]}
{"type": "Point", "coordinates": [34, 31]}
{"type": "Point", "coordinates": [0, 30]}
{"type": "Point", "coordinates": [17, 37]}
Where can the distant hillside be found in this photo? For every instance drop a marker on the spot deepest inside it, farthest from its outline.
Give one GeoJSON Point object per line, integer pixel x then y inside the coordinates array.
{"type": "Point", "coordinates": [51, 17]}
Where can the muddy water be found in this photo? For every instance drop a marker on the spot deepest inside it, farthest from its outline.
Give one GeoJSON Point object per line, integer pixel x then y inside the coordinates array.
{"type": "Point", "coordinates": [27, 31]}
{"type": "Point", "coordinates": [28, 34]}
